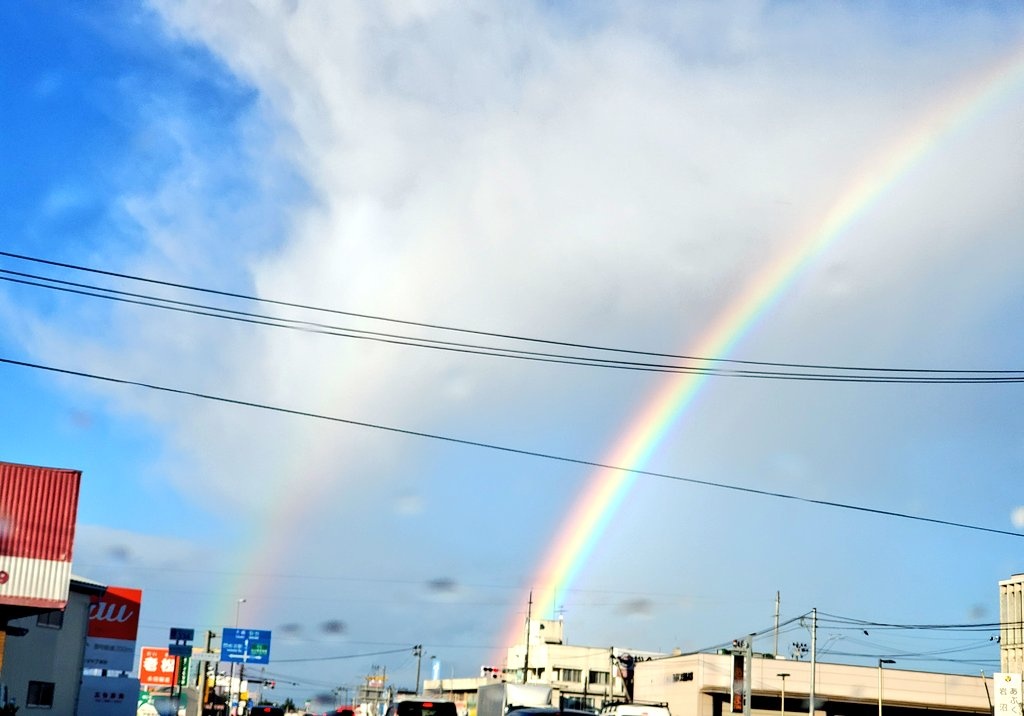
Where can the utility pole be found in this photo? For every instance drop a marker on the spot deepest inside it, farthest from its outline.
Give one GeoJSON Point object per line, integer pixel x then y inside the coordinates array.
{"type": "Point", "coordinates": [417, 651]}
{"type": "Point", "coordinates": [204, 690]}
{"type": "Point", "coordinates": [775, 652]}
{"type": "Point", "coordinates": [526, 656]}
{"type": "Point", "coordinates": [748, 668]}
{"type": "Point", "coordinates": [814, 658]}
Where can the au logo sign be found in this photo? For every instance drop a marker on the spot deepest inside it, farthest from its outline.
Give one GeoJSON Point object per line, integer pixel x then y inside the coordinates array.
{"type": "Point", "coordinates": [113, 628]}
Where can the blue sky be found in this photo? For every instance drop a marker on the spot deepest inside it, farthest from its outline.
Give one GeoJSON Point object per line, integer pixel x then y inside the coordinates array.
{"type": "Point", "coordinates": [607, 175]}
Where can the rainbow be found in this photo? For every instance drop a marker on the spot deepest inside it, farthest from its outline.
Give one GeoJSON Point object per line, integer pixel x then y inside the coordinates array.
{"type": "Point", "coordinates": [607, 488]}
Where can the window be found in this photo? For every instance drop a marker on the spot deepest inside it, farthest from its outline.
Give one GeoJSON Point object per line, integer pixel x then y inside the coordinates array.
{"type": "Point", "coordinates": [578, 702]}
{"type": "Point", "coordinates": [51, 620]}
{"type": "Point", "coordinates": [571, 675]}
{"type": "Point", "coordinates": [40, 694]}
{"type": "Point", "coordinates": [598, 677]}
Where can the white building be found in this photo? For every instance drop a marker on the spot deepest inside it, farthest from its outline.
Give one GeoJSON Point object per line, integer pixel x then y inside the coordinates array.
{"type": "Point", "coordinates": [1011, 619]}
{"type": "Point", "coordinates": [701, 684]}
{"type": "Point", "coordinates": [582, 677]}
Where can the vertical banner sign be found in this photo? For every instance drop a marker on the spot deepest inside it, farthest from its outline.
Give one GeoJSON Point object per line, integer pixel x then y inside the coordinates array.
{"type": "Point", "coordinates": [113, 628]}
{"type": "Point", "coordinates": [157, 667]}
{"type": "Point", "coordinates": [184, 664]}
{"type": "Point", "coordinates": [737, 683]}
{"type": "Point", "coordinates": [1007, 700]}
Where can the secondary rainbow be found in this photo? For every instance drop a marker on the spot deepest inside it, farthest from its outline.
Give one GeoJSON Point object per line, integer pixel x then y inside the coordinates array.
{"type": "Point", "coordinates": [644, 433]}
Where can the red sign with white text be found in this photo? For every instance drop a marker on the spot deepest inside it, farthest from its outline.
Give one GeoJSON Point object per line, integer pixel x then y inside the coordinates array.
{"type": "Point", "coordinates": [115, 615]}
{"type": "Point", "coordinates": [157, 667]}
{"type": "Point", "coordinates": [113, 626]}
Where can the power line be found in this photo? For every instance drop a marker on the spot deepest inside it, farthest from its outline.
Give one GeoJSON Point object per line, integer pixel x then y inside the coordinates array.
{"type": "Point", "coordinates": [863, 623]}
{"type": "Point", "coordinates": [342, 656]}
{"type": "Point", "coordinates": [512, 450]}
{"type": "Point", "coordinates": [853, 375]}
{"type": "Point", "coordinates": [1017, 375]}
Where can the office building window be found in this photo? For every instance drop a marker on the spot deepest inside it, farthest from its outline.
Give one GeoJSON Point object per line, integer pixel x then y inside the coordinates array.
{"type": "Point", "coordinates": [598, 677]}
{"type": "Point", "coordinates": [573, 676]}
{"type": "Point", "coordinates": [51, 620]}
{"type": "Point", "coordinates": [40, 695]}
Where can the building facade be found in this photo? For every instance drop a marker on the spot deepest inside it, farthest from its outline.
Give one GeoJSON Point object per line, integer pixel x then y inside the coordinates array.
{"type": "Point", "coordinates": [701, 685]}
{"type": "Point", "coordinates": [582, 677]}
{"type": "Point", "coordinates": [1011, 620]}
{"type": "Point", "coordinates": [45, 653]}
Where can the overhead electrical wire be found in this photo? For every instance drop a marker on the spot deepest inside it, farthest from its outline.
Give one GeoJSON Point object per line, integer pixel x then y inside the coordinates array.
{"type": "Point", "coordinates": [510, 450]}
{"type": "Point", "coordinates": [343, 656]}
{"type": "Point", "coordinates": [837, 619]}
{"type": "Point", "coordinates": [824, 373]}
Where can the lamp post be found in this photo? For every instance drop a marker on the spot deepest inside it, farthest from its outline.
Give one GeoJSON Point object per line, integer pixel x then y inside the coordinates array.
{"type": "Point", "coordinates": [880, 662]}
{"type": "Point", "coordinates": [231, 678]}
{"type": "Point", "coordinates": [783, 677]}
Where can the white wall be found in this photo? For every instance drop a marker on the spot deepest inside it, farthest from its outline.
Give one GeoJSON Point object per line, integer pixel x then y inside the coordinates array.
{"type": "Point", "coordinates": [859, 684]}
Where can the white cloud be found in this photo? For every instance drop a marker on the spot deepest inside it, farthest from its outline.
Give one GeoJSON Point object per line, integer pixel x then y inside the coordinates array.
{"type": "Point", "coordinates": [1017, 517]}
{"type": "Point", "coordinates": [612, 180]}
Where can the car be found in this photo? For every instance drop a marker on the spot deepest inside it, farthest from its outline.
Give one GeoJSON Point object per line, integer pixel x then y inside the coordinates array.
{"type": "Point", "coordinates": [422, 707]}
{"type": "Point", "coordinates": [635, 709]}
{"type": "Point", "coordinates": [264, 710]}
{"type": "Point", "coordinates": [547, 711]}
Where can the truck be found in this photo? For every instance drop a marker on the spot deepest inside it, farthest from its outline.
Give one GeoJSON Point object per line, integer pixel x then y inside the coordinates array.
{"type": "Point", "coordinates": [498, 699]}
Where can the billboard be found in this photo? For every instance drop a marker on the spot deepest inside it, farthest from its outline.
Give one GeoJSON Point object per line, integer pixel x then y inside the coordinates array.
{"type": "Point", "coordinates": [157, 667]}
{"type": "Point", "coordinates": [113, 629]}
{"type": "Point", "coordinates": [38, 508]}
{"type": "Point", "coordinates": [108, 696]}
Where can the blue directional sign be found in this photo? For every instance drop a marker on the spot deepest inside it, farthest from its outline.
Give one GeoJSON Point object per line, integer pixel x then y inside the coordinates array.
{"type": "Point", "coordinates": [245, 646]}
{"type": "Point", "coordinates": [179, 634]}
{"type": "Point", "coordinates": [181, 642]}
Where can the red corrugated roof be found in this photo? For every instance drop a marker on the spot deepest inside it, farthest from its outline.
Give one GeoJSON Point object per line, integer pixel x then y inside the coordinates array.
{"type": "Point", "coordinates": [38, 508]}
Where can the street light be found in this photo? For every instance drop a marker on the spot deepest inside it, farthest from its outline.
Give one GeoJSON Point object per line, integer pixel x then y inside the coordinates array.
{"type": "Point", "coordinates": [880, 662]}
{"type": "Point", "coordinates": [783, 677]}
{"type": "Point", "coordinates": [231, 678]}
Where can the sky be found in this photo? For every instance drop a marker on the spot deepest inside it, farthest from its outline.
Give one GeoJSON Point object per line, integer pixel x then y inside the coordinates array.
{"type": "Point", "coordinates": [447, 199]}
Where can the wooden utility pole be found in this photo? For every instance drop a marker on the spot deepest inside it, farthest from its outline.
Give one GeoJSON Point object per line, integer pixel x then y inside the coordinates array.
{"type": "Point", "coordinates": [526, 656]}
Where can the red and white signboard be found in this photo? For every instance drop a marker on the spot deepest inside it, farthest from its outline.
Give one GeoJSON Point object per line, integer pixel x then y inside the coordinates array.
{"type": "Point", "coordinates": [157, 667]}
{"type": "Point", "coordinates": [113, 629]}
{"type": "Point", "coordinates": [38, 508]}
